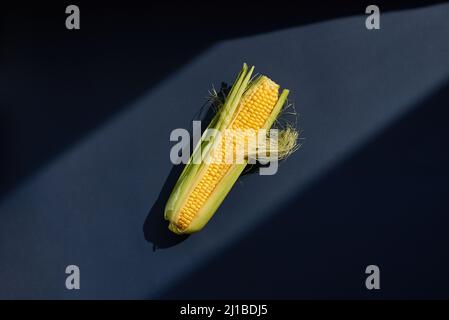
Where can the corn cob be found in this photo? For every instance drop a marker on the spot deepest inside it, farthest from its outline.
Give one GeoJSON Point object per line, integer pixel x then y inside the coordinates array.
{"type": "Point", "coordinates": [203, 185]}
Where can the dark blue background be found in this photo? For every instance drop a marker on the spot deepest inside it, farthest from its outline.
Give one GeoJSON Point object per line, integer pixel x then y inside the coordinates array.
{"type": "Point", "coordinates": [85, 120]}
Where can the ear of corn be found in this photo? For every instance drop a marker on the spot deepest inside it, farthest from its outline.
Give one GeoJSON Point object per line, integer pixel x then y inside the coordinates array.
{"type": "Point", "coordinates": [202, 186]}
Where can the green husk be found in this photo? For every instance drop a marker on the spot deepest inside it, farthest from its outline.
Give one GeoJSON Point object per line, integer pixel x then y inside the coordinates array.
{"type": "Point", "coordinates": [193, 169]}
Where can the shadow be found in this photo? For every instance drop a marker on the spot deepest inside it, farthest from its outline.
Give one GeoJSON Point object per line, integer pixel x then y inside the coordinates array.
{"type": "Point", "coordinates": [386, 205]}
{"type": "Point", "coordinates": [155, 227]}
{"type": "Point", "coordinates": [57, 85]}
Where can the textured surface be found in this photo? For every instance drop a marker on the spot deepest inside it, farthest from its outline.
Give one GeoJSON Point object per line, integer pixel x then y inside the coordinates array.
{"type": "Point", "coordinates": [370, 184]}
